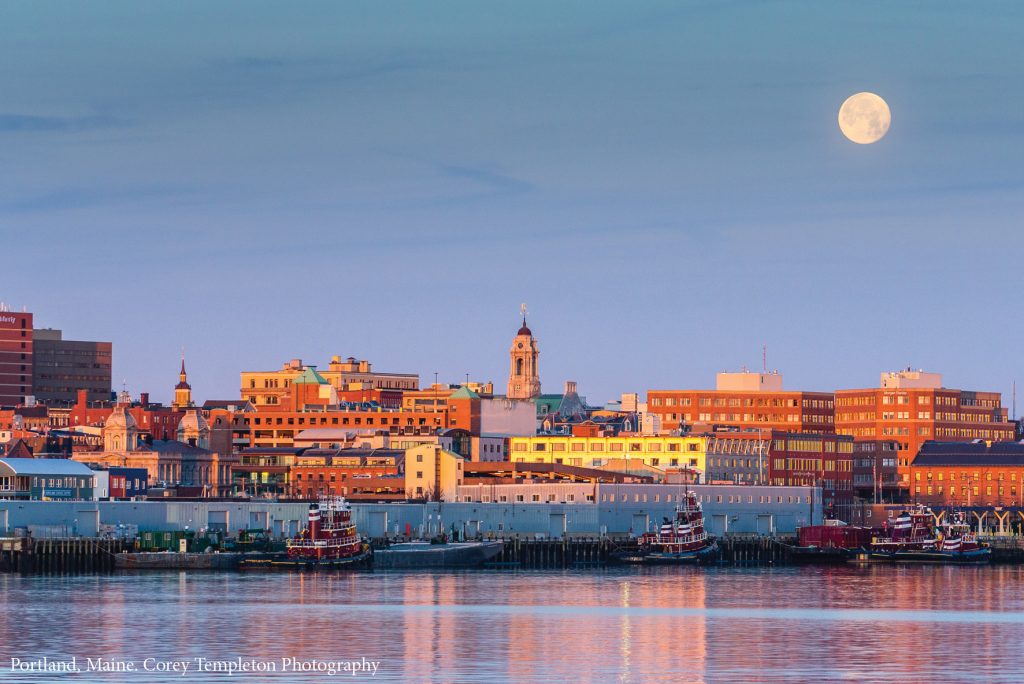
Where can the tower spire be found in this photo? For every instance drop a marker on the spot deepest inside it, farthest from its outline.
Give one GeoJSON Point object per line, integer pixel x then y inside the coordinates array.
{"type": "Point", "coordinates": [524, 376]}
{"type": "Point", "coordinates": [182, 391]}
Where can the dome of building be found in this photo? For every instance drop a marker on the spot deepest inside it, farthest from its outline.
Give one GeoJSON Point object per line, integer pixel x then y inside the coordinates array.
{"type": "Point", "coordinates": [120, 418]}
{"type": "Point", "coordinates": [524, 330]}
{"type": "Point", "coordinates": [193, 422]}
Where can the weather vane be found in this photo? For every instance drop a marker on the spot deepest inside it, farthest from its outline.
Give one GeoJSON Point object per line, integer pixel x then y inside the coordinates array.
{"type": "Point", "coordinates": [522, 309]}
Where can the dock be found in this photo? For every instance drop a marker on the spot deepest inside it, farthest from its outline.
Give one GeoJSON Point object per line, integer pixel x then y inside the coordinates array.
{"type": "Point", "coordinates": [60, 556]}
{"type": "Point", "coordinates": [169, 560]}
{"type": "Point", "coordinates": [83, 555]}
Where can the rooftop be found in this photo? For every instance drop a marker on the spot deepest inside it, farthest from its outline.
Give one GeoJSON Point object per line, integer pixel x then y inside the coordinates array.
{"type": "Point", "coordinates": [45, 466]}
{"type": "Point", "coordinates": [970, 453]}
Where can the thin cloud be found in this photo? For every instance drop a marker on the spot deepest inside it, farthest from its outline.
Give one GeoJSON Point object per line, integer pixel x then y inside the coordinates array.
{"type": "Point", "coordinates": [19, 123]}
{"type": "Point", "coordinates": [496, 181]}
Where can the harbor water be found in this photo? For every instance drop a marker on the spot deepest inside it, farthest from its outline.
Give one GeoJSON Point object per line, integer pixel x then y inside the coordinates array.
{"type": "Point", "coordinates": [796, 624]}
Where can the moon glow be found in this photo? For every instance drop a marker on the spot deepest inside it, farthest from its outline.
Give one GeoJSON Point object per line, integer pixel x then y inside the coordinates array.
{"type": "Point", "coordinates": [864, 118]}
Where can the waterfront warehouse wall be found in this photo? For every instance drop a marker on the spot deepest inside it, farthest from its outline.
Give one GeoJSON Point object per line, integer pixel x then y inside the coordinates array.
{"type": "Point", "coordinates": [739, 509]}
{"type": "Point", "coordinates": [617, 510]}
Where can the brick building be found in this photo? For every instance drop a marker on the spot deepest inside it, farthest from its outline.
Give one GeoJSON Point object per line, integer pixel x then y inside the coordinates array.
{"type": "Point", "coordinates": [745, 400]}
{"type": "Point", "coordinates": [15, 357]}
{"type": "Point", "coordinates": [270, 428]}
{"type": "Point", "coordinates": [357, 474]}
{"type": "Point", "coordinates": [968, 474]}
{"type": "Point", "coordinates": [270, 388]}
{"type": "Point", "coordinates": [156, 420]}
{"type": "Point", "coordinates": [912, 407]}
{"type": "Point", "coordinates": [821, 460]}
{"type": "Point", "coordinates": [875, 472]}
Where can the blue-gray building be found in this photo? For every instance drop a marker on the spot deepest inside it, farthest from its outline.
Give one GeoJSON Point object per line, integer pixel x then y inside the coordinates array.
{"type": "Point", "coordinates": [41, 479]}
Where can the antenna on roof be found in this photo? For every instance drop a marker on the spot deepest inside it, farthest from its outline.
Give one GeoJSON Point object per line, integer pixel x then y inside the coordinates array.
{"type": "Point", "coordinates": [764, 357]}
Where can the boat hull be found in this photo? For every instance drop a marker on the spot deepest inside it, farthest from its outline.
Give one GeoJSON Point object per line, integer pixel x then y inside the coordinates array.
{"type": "Point", "coordinates": [817, 554]}
{"type": "Point", "coordinates": [423, 555]}
{"type": "Point", "coordinates": [281, 562]}
{"type": "Point", "coordinates": [652, 557]}
{"type": "Point", "coordinates": [975, 556]}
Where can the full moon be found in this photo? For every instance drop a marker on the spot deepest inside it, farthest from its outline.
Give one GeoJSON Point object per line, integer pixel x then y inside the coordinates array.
{"type": "Point", "coordinates": [864, 118]}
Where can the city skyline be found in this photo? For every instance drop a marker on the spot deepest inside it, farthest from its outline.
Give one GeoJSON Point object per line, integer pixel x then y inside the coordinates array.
{"type": "Point", "coordinates": [1009, 401]}
{"type": "Point", "coordinates": [666, 187]}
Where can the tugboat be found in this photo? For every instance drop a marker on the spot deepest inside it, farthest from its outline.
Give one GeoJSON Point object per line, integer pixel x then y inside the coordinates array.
{"type": "Point", "coordinates": [329, 541]}
{"type": "Point", "coordinates": [679, 541]}
{"type": "Point", "coordinates": [912, 536]}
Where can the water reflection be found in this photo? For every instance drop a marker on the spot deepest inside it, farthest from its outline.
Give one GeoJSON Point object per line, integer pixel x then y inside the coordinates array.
{"type": "Point", "coordinates": [795, 624]}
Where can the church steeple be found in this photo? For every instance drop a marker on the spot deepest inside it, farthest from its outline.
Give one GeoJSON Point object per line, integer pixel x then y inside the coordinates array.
{"type": "Point", "coordinates": [182, 391]}
{"type": "Point", "coordinates": [524, 374]}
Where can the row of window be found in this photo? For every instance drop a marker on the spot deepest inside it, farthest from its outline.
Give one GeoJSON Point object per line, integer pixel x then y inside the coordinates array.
{"type": "Point", "coordinates": [964, 490]}
{"type": "Point", "coordinates": [633, 447]}
{"type": "Point", "coordinates": [334, 420]}
{"type": "Point", "coordinates": [749, 418]}
{"type": "Point", "coordinates": [746, 401]}
{"type": "Point", "coordinates": [600, 462]}
{"type": "Point", "coordinates": [976, 476]}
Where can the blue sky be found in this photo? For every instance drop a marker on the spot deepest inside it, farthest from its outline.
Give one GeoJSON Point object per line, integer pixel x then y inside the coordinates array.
{"type": "Point", "coordinates": [664, 184]}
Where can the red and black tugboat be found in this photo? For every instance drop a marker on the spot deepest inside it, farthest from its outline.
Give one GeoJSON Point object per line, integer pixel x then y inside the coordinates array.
{"type": "Point", "coordinates": [913, 536]}
{"type": "Point", "coordinates": [329, 540]}
{"type": "Point", "coordinates": [678, 541]}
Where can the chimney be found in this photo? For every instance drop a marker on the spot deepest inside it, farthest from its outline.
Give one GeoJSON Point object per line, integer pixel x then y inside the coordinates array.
{"type": "Point", "coordinates": [570, 387]}
{"type": "Point", "coordinates": [83, 398]}
{"type": "Point", "coordinates": [144, 399]}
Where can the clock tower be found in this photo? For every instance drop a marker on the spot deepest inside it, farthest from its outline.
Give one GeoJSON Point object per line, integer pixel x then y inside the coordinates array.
{"type": "Point", "coordinates": [524, 376]}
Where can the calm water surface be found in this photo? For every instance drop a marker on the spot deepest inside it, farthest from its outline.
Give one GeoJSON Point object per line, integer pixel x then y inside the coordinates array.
{"type": "Point", "coordinates": [878, 623]}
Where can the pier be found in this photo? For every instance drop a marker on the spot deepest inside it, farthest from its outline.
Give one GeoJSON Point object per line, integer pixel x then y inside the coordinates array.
{"type": "Point", "coordinates": [531, 553]}
{"type": "Point", "coordinates": [59, 556]}
{"type": "Point", "coordinates": [83, 555]}
{"type": "Point", "coordinates": [525, 552]}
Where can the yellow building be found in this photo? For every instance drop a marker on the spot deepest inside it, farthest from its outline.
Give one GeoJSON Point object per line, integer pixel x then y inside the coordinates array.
{"type": "Point", "coordinates": [596, 452]}
{"type": "Point", "coordinates": [432, 473]}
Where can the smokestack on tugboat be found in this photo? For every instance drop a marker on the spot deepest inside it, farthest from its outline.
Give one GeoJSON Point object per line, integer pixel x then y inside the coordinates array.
{"type": "Point", "coordinates": [314, 521]}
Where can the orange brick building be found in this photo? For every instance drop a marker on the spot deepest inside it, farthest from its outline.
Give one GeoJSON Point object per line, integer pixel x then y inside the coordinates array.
{"type": "Point", "coordinates": [968, 474]}
{"type": "Point", "coordinates": [272, 388]}
{"type": "Point", "coordinates": [745, 400]}
{"type": "Point", "coordinates": [269, 428]}
{"type": "Point", "coordinates": [912, 407]}
{"type": "Point", "coordinates": [358, 474]}
{"type": "Point", "coordinates": [15, 357]}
